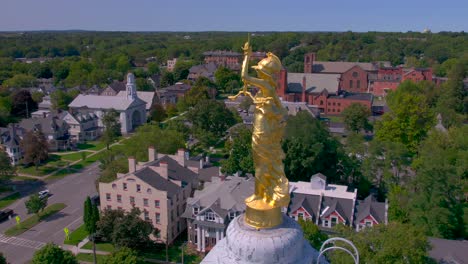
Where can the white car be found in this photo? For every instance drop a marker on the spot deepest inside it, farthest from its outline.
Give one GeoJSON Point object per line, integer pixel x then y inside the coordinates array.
{"type": "Point", "coordinates": [43, 194]}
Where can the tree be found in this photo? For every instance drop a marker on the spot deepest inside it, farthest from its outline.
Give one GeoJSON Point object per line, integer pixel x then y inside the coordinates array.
{"type": "Point", "coordinates": [22, 104]}
{"type": "Point", "coordinates": [35, 148]}
{"type": "Point", "coordinates": [90, 219]}
{"type": "Point", "coordinates": [409, 117]}
{"type": "Point", "coordinates": [6, 169]}
{"type": "Point", "coordinates": [240, 152]}
{"type": "Point", "coordinates": [157, 113]}
{"type": "Point", "coordinates": [125, 229]}
{"type": "Point", "coordinates": [246, 103]}
{"type": "Point", "coordinates": [61, 99]}
{"type": "Point", "coordinates": [223, 76]}
{"type": "Point", "coordinates": [153, 68]}
{"type": "Point", "coordinates": [37, 96]}
{"type": "Point", "coordinates": [312, 233]}
{"type": "Point", "coordinates": [210, 120]}
{"type": "Point", "coordinates": [143, 85]}
{"type": "Point", "coordinates": [193, 97]}
{"type": "Point", "coordinates": [20, 81]}
{"type": "Point", "coordinates": [393, 243]}
{"type": "Point", "coordinates": [167, 79]}
{"type": "Point", "coordinates": [123, 255]}
{"type": "Point", "coordinates": [2, 259]}
{"type": "Point", "coordinates": [111, 123]}
{"type": "Point", "coordinates": [53, 254]}
{"type": "Point", "coordinates": [181, 69]}
{"type": "Point", "coordinates": [35, 204]}
{"type": "Point", "coordinates": [355, 117]}
{"type": "Point", "coordinates": [309, 149]}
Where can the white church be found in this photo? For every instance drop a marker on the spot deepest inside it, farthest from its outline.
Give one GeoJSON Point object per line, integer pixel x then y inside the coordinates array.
{"type": "Point", "coordinates": [132, 109]}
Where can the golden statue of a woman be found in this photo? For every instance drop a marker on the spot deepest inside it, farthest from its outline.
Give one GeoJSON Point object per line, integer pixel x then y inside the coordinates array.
{"type": "Point", "coordinates": [271, 185]}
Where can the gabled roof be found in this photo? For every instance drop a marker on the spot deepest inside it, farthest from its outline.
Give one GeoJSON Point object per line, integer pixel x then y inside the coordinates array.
{"type": "Point", "coordinates": [315, 82]}
{"type": "Point", "coordinates": [47, 125]}
{"type": "Point", "coordinates": [370, 206]}
{"type": "Point", "coordinates": [157, 181]}
{"type": "Point", "coordinates": [105, 102]}
{"type": "Point", "coordinates": [148, 97]}
{"type": "Point", "coordinates": [117, 86]}
{"type": "Point", "coordinates": [343, 207]}
{"type": "Point", "coordinates": [310, 203]}
{"type": "Point", "coordinates": [175, 170]}
{"type": "Point", "coordinates": [341, 66]}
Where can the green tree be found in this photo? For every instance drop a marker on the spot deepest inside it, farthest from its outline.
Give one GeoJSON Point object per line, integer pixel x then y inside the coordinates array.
{"type": "Point", "coordinates": [2, 259]}
{"type": "Point", "coordinates": [210, 120]}
{"type": "Point", "coordinates": [37, 96]}
{"type": "Point", "coordinates": [312, 233]}
{"type": "Point", "coordinates": [35, 204]}
{"type": "Point", "coordinates": [22, 104]}
{"type": "Point", "coordinates": [153, 68]}
{"type": "Point", "coordinates": [90, 219]}
{"type": "Point", "coordinates": [123, 255]}
{"type": "Point", "coordinates": [181, 69]}
{"type": "Point", "coordinates": [35, 148]}
{"type": "Point", "coordinates": [125, 229]}
{"type": "Point", "coordinates": [193, 97]}
{"type": "Point", "coordinates": [143, 85]}
{"type": "Point", "coordinates": [53, 254]}
{"type": "Point", "coordinates": [309, 149]}
{"type": "Point", "coordinates": [157, 113]}
{"type": "Point", "coordinates": [167, 79]}
{"type": "Point", "coordinates": [111, 123]}
{"type": "Point", "coordinates": [123, 64]}
{"type": "Point", "coordinates": [6, 169]}
{"type": "Point", "coordinates": [355, 117]}
{"type": "Point", "coordinates": [20, 81]}
{"type": "Point", "coordinates": [393, 243]}
{"type": "Point", "coordinates": [239, 148]}
{"type": "Point", "coordinates": [61, 99]}
{"type": "Point", "coordinates": [409, 118]}
{"type": "Point", "coordinates": [223, 76]}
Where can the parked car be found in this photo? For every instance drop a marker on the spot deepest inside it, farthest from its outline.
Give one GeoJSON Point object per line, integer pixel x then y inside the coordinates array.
{"type": "Point", "coordinates": [44, 194]}
{"type": "Point", "coordinates": [4, 215]}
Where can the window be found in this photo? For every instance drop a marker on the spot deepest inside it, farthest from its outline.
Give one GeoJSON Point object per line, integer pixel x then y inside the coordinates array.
{"type": "Point", "coordinates": [108, 196]}
{"type": "Point", "coordinates": [114, 186]}
{"type": "Point", "coordinates": [156, 203]}
{"type": "Point", "coordinates": [146, 216]}
{"type": "Point", "coordinates": [132, 200]}
{"type": "Point", "coordinates": [368, 223]}
{"type": "Point", "coordinates": [210, 216]}
{"type": "Point", "coordinates": [119, 198]}
{"type": "Point", "coordinates": [300, 216]}
{"type": "Point", "coordinates": [351, 84]}
{"type": "Point", "coordinates": [321, 102]}
{"type": "Point", "coordinates": [157, 218]}
{"type": "Point", "coordinates": [358, 84]}
{"type": "Point", "coordinates": [148, 191]}
{"type": "Point", "coordinates": [329, 103]}
{"type": "Point", "coordinates": [109, 207]}
{"type": "Point", "coordinates": [334, 221]}
{"type": "Point", "coordinates": [325, 223]}
{"type": "Point", "coordinates": [138, 188]}
{"type": "Point", "coordinates": [334, 103]}
{"type": "Point", "coordinates": [124, 186]}
{"type": "Point", "coordinates": [145, 202]}
{"type": "Point", "coordinates": [355, 74]}
{"type": "Point", "coordinates": [232, 215]}
{"type": "Point", "coordinates": [339, 104]}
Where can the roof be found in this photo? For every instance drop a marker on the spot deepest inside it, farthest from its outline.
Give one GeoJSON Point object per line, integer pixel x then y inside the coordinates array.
{"type": "Point", "coordinates": [331, 190]}
{"type": "Point", "coordinates": [222, 196]}
{"type": "Point", "coordinates": [315, 82]}
{"type": "Point", "coordinates": [344, 207]}
{"type": "Point", "coordinates": [157, 181]}
{"type": "Point", "coordinates": [449, 251]}
{"type": "Point", "coordinates": [176, 171]}
{"type": "Point", "coordinates": [222, 53]}
{"type": "Point", "coordinates": [354, 96]}
{"type": "Point", "coordinates": [6, 137]}
{"type": "Point", "coordinates": [47, 125]}
{"type": "Point", "coordinates": [310, 203]}
{"type": "Point", "coordinates": [104, 102]}
{"type": "Point", "coordinates": [145, 96]}
{"type": "Point", "coordinates": [117, 86]}
{"type": "Point", "coordinates": [370, 206]}
{"type": "Point", "coordinates": [341, 66]}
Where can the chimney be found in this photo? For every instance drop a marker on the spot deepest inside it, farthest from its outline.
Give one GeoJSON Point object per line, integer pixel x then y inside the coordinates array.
{"type": "Point", "coordinates": [282, 83]}
{"type": "Point", "coordinates": [151, 154]}
{"type": "Point", "coordinates": [207, 159]}
{"type": "Point", "coordinates": [201, 163]}
{"type": "Point", "coordinates": [163, 171]}
{"type": "Point", "coordinates": [131, 164]}
{"type": "Point", "coordinates": [304, 87]}
{"type": "Point", "coordinates": [309, 59]}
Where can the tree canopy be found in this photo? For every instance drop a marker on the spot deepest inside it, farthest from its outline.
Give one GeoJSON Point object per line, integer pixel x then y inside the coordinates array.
{"type": "Point", "coordinates": [53, 254]}
{"type": "Point", "coordinates": [355, 117]}
{"type": "Point", "coordinates": [239, 148]}
{"type": "Point", "coordinates": [35, 148]}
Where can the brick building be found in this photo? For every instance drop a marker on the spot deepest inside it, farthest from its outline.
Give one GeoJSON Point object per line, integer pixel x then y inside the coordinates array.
{"type": "Point", "coordinates": [228, 59]}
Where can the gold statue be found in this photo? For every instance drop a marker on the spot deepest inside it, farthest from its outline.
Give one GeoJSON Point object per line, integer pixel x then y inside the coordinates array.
{"type": "Point", "coordinates": [271, 185]}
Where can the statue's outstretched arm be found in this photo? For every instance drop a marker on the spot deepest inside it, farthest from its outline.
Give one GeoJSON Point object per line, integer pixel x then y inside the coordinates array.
{"type": "Point", "coordinates": [248, 80]}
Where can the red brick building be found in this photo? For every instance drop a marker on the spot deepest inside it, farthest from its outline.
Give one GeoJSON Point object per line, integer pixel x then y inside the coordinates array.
{"type": "Point", "coordinates": [389, 78]}
{"type": "Point", "coordinates": [228, 59]}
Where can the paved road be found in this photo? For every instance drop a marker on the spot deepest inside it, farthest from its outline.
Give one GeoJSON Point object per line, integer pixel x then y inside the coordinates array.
{"type": "Point", "coordinates": [71, 190]}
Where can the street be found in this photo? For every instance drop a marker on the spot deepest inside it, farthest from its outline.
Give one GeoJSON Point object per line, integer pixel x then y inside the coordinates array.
{"type": "Point", "coordinates": [71, 190]}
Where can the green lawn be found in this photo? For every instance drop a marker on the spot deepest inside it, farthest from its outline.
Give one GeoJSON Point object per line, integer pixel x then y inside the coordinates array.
{"type": "Point", "coordinates": [92, 145]}
{"type": "Point", "coordinates": [77, 236]}
{"type": "Point", "coordinates": [90, 258]}
{"type": "Point", "coordinates": [100, 246]}
{"type": "Point", "coordinates": [75, 156]}
{"type": "Point", "coordinates": [335, 119]}
{"type": "Point", "coordinates": [9, 200]}
{"type": "Point", "coordinates": [52, 163]}
{"type": "Point", "coordinates": [34, 220]}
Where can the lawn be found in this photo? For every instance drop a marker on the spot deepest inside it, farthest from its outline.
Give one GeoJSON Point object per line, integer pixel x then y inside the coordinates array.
{"type": "Point", "coordinates": [75, 156]}
{"type": "Point", "coordinates": [52, 163]}
{"type": "Point", "coordinates": [34, 220]}
{"type": "Point", "coordinates": [92, 145]}
{"type": "Point", "coordinates": [100, 246]}
{"type": "Point", "coordinates": [77, 236]}
{"type": "Point", "coordinates": [334, 119]}
{"type": "Point", "coordinates": [90, 258]}
{"type": "Point", "coordinates": [9, 200]}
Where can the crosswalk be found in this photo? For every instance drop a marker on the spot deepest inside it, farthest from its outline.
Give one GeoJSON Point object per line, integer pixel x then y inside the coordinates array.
{"type": "Point", "coordinates": [21, 242]}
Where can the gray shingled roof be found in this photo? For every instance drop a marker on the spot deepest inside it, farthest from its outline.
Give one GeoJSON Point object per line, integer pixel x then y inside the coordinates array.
{"type": "Point", "coordinates": [105, 102]}
{"type": "Point", "coordinates": [157, 181]}
{"type": "Point", "coordinates": [309, 202]}
{"type": "Point", "coordinates": [176, 171]}
{"type": "Point", "coordinates": [354, 96]}
{"type": "Point", "coordinates": [343, 206]}
{"type": "Point", "coordinates": [341, 66]}
{"type": "Point", "coordinates": [370, 206]}
{"type": "Point", "coordinates": [315, 82]}
{"type": "Point", "coordinates": [449, 251]}
{"type": "Point", "coordinates": [47, 125]}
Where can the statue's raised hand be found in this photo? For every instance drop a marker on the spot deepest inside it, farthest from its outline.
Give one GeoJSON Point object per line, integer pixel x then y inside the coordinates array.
{"type": "Point", "coordinates": [247, 49]}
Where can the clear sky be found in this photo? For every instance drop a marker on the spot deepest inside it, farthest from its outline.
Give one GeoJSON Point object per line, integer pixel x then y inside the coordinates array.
{"type": "Point", "coordinates": [239, 15]}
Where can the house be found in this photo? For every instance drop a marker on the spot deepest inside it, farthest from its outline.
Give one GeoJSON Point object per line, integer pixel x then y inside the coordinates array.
{"type": "Point", "coordinates": [148, 97]}
{"type": "Point", "coordinates": [82, 127]}
{"type": "Point", "coordinates": [46, 103]}
{"type": "Point", "coordinates": [171, 64]}
{"type": "Point", "coordinates": [114, 88]}
{"type": "Point", "coordinates": [329, 204]}
{"type": "Point", "coordinates": [171, 94]}
{"type": "Point", "coordinates": [228, 59]}
{"type": "Point", "coordinates": [159, 188]}
{"type": "Point", "coordinates": [10, 142]}
{"type": "Point", "coordinates": [204, 70]}
{"type": "Point", "coordinates": [131, 109]}
{"type": "Point", "coordinates": [155, 80]}
{"type": "Point", "coordinates": [52, 126]}
{"type": "Point", "coordinates": [210, 210]}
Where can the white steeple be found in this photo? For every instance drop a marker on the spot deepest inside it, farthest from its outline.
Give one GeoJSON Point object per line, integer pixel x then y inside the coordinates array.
{"type": "Point", "coordinates": [131, 87]}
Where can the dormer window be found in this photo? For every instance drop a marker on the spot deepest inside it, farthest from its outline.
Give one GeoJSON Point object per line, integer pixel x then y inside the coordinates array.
{"type": "Point", "coordinates": [138, 188]}
{"type": "Point", "coordinates": [232, 215]}
{"type": "Point", "coordinates": [196, 210]}
{"type": "Point", "coordinates": [210, 216]}
{"type": "Point", "coordinates": [124, 186]}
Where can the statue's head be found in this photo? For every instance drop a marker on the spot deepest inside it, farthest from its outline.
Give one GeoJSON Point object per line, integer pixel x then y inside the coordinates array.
{"type": "Point", "coordinates": [268, 66]}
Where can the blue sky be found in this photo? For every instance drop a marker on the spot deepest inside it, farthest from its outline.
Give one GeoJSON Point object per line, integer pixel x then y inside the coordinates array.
{"type": "Point", "coordinates": [234, 15]}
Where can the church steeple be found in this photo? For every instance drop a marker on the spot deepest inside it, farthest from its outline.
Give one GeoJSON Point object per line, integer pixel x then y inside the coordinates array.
{"type": "Point", "coordinates": [131, 87]}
